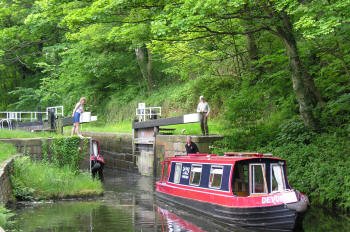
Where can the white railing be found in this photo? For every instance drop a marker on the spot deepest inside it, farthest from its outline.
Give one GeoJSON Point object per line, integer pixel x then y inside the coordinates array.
{"type": "Point", "coordinates": [22, 115]}
{"type": "Point", "coordinates": [146, 113]}
{"type": "Point", "coordinates": [30, 115]}
{"type": "Point", "coordinates": [58, 110]}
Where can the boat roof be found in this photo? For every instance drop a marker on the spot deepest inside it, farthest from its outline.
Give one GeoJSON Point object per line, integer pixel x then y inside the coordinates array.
{"type": "Point", "coordinates": [227, 158]}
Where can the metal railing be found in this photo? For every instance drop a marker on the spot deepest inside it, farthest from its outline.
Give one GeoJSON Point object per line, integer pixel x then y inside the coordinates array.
{"type": "Point", "coordinates": [147, 113]}
{"type": "Point", "coordinates": [59, 111]}
{"type": "Point", "coordinates": [6, 124]}
{"type": "Point", "coordinates": [31, 115]}
{"type": "Point", "coordinates": [22, 115]}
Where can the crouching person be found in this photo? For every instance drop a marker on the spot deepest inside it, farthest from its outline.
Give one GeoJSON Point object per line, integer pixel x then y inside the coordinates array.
{"type": "Point", "coordinates": [96, 161]}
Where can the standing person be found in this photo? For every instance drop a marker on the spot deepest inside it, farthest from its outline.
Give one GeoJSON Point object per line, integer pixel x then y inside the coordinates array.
{"type": "Point", "coordinates": [191, 147]}
{"type": "Point", "coordinates": [78, 109]}
{"type": "Point", "coordinates": [204, 109]}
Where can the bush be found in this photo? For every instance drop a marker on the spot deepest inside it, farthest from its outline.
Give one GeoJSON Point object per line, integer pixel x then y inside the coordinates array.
{"type": "Point", "coordinates": [65, 151]}
{"type": "Point", "coordinates": [320, 169]}
{"type": "Point", "coordinates": [4, 215]}
{"type": "Point", "coordinates": [293, 131]}
{"type": "Point", "coordinates": [40, 180]}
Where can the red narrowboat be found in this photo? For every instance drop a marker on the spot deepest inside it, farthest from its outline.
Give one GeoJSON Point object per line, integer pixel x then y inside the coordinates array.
{"type": "Point", "coordinates": [249, 190]}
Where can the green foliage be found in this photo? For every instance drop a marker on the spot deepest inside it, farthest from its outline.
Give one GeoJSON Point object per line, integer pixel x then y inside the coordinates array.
{"type": "Point", "coordinates": [235, 53]}
{"type": "Point", "coordinates": [41, 180]}
{"type": "Point", "coordinates": [5, 214]}
{"type": "Point", "coordinates": [293, 131]}
{"type": "Point", "coordinates": [6, 151]}
{"type": "Point", "coordinates": [319, 168]}
{"type": "Point", "coordinates": [65, 152]}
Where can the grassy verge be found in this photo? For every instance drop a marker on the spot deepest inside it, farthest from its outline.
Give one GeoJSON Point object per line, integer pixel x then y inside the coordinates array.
{"type": "Point", "coordinates": [119, 127]}
{"type": "Point", "coordinates": [6, 151]}
{"type": "Point", "coordinates": [215, 127]}
{"type": "Point", "coordinates": [9, 134]}
{"type": "Point", "coordinates": [36, 180]}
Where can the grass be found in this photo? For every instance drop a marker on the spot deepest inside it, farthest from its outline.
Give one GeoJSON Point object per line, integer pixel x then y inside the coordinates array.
{"type": "Point", "coordinates": [119, 127]}
{"type": "Point", "coordinates": [4, 215]}
{"type": "Point", "coordinates": [10, 134]}
{"type": "Point", "coordinates": [215, 127]}
{"type": "Point", "coordinates": [39, 180]}
{"type": "Point", "coordinates": [6, 151]}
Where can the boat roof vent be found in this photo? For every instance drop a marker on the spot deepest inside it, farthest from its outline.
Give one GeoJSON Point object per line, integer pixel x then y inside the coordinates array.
{"type": "Point", "coordinates": [202, 154]}
{"type": "Point", "coordinates": [246, 154]}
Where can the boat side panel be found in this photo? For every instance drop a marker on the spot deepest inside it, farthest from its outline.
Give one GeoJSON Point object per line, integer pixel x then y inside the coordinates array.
{"type": "Point", "coordinates": [224, 198]}
{"type": "Point", "coordinates": [276, 218]}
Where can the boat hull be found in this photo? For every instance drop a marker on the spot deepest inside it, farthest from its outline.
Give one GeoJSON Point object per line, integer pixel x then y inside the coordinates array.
{"type": "Point", "coordinates": [269, 218]}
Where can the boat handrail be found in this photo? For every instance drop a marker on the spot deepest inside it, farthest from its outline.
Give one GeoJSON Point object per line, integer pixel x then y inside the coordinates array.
{"type": "Point", "coordinates": [247, 154]}
{"type": "Point", "coordinates": [201, 154]}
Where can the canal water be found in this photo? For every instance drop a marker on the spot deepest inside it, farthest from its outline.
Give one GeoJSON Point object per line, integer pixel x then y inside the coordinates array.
{"type": "Point", "coordinates": [129, 204]}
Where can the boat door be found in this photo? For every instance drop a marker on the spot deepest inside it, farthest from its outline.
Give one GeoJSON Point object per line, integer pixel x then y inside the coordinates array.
{"type": "Point", "coordinates": [257, 177]}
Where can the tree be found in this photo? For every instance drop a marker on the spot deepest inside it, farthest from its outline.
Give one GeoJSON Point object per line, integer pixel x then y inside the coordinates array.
{"type": "Point", "coordinates": [196, 20]}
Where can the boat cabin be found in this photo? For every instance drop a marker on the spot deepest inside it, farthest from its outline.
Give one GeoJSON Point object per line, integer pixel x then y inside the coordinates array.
{"type": "Point", "coordinates": [242, 174]}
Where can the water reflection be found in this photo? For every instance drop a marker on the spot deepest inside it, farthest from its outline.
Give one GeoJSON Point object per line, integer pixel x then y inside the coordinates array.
{"type": "Point", "coordinates": [129, 205]}
{"type": "Point", "coordinates": [172, 222]}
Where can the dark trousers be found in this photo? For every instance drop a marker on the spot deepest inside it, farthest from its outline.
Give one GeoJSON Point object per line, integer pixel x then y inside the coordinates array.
{"type": "Point", "coordinates": [97, 168]}
{"type": "Point", "coordinates": [204, 123]}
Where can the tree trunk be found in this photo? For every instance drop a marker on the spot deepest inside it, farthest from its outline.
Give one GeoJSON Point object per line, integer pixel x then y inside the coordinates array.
{"type": "Point", "coordinates": [303, 84]}
{"type": "Point", "coordinates": [253, 54]}
{"type": "Point", "coordinates": [144, 60]}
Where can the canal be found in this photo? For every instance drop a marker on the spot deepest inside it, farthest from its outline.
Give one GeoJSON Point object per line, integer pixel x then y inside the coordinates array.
{"type": "Point", "coordinates": [129, 205]}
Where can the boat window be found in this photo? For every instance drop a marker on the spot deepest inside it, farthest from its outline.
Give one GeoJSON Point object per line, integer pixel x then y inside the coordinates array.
{"type": "Point", "coordinates": [196, 171]}
{"type": "Point", "coordinates": [240, 183]}
{"type": "Point", "coordinates": [277, 178]}
{"type": "Point", "coordinates": [215, 176]}
{"type": "Point", "coordinates": [177, 173]}
{"type": "Point", "coordinates": [257, 179]}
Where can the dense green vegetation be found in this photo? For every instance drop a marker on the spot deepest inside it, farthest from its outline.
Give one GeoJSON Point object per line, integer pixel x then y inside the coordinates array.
{"type": "Point", "coordinates": [35, 180]}
{"type": "Point", "coordinates": [4, 215]}
{"type": "Point", "coordinates": [65, 151]}
{"type": "Point", "coordinates": [276, 73]}
{"type": "Point", "coordinates": [58, 175]}
{"type": "Point", "coordinates": [6, 151]}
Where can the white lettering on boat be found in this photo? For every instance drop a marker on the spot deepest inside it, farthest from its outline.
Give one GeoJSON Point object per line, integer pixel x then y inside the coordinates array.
{"type": "Point", "coordinates": [283, 198]}
{"type": "Point", "coordinates": [273, 199]}
{"type": "Point", "coordinates": [185, 172]}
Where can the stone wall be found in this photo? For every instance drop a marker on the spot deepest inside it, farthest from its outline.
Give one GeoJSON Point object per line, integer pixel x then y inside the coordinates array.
{"type": "Point", "coordinates": [173, 145]}
{"type": "Point", "coordinates": [116, 149]}
{"type": "Point", "coordinates": [34, 148]}
{"type": "Point", "coordinates": [5, 183]}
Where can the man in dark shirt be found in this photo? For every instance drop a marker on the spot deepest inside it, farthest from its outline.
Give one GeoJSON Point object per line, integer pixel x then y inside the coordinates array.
{"type": "Point", "coordinates": [191, 147]}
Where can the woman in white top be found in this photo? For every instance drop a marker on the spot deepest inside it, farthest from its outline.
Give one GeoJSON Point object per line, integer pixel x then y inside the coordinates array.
{"type": "Point", "coordinates": [78, 109]}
